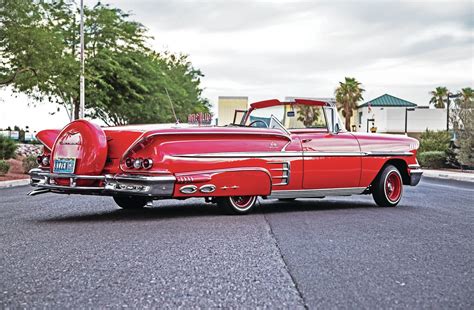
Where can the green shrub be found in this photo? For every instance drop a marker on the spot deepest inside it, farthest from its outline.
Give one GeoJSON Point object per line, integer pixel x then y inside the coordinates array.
{"type": "Point", "coordinates": [29, 163]}
{"type": "Point", "coordinates": [434, 141]}
{"type": "Point", "coordinates": [7, 148]}
{"type": "Point", "coordinates": [4, 167]}
{"type": "Point", "coordinates": [432, 159]}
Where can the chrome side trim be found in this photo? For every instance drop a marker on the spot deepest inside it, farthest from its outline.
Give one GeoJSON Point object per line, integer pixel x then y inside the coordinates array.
{"type": "Point", "coordinates": [315, 193]}
{"type": "Point", "coordinates": [334, 154]}
{"type": "Point", "coordinates": [291, 154]}
{"type": "Point", "coordinates": [242, 155]}
{"type": "Point", "coordinates": [383, 154]}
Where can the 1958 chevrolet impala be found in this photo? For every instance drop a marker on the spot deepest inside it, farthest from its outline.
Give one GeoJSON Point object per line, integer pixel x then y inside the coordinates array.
{"type": "Point", "coordinates": [282, 150]}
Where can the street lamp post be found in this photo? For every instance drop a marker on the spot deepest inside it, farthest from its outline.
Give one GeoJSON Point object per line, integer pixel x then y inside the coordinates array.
{"type": "Point", "coordinates": [447, 108]}
{"type": "Point", "coordinates": [406, 118]}
{"type": "Point", "coordinates": [81, 78]}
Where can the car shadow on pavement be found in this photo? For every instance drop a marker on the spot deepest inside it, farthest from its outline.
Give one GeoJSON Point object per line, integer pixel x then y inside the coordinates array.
{"type": "Point", "coordinates": [201, 209]}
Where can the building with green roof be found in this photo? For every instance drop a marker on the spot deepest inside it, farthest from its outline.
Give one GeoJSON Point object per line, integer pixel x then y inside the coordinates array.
{"type": "Point", "coordinates": [387, 114]}
{"type": "Point", "coordinates": [387, 100]}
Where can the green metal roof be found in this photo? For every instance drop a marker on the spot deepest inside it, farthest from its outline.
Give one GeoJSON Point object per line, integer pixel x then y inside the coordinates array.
{"type": "Point", "coordinates": [388, 101]}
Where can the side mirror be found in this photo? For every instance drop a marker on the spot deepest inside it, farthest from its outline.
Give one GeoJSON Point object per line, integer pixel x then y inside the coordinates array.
{"type": "Point", "coordinates": [337, 128]}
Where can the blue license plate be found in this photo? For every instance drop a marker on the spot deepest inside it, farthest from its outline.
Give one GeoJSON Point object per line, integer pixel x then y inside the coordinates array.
{"type": "Point", "coordinates": [64, 165]}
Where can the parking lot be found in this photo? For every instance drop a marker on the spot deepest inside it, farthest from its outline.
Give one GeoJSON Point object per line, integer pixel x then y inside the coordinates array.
{"type": "Point", "coordinates": [69, 251]}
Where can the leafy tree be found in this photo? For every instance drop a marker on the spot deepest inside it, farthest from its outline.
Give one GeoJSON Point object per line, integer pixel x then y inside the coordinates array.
{"type": "Point", "coordinates": [463, 120]}
{"type": "Point", "coordinates": [7, 148]}
{"type": "Point", "coordinates": [348, 94]}
{"type": "Point", "coordinates": [126, 81]}
{"type": "Point", "coordinates": [439, 97]}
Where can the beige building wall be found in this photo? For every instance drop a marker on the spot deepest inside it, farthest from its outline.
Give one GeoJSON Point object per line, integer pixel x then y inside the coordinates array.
{"type": "Point", "coordinates": [226, 105]}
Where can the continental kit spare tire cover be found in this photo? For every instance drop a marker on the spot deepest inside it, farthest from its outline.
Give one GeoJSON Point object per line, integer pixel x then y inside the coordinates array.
{"type": "Point", "coordinates": [85, 144]}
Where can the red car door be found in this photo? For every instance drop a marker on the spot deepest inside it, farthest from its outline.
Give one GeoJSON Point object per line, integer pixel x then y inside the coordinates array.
{"type": "Point", "coordinates": [330, 160]}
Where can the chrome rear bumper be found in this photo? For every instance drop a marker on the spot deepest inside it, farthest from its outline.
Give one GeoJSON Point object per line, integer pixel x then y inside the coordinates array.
{"type": "Point", "coordinates": [152, 186]}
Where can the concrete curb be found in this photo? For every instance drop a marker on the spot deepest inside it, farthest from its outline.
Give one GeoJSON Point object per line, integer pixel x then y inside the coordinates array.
{"type": "Point", "coordinates": [449, 175]}
{"type": "Point", "coordinates": [14, 183]}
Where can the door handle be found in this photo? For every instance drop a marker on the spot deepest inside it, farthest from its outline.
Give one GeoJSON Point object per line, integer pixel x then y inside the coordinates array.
{"type": "Point", "coordinates": [306, 140]}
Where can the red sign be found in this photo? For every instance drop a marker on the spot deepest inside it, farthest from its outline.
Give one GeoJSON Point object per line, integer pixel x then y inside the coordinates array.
{"type": "Point", "coordinates": [200, 118]}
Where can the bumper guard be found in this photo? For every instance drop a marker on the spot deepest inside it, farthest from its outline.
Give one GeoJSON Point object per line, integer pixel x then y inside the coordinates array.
{"type": "Point", "coordinates": [415, 174]}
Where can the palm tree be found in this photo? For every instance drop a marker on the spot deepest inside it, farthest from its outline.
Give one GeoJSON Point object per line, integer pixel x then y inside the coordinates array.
{"type": "Point", "coordinates": [466, 96]}
{"type": "Point", "coordinates": [440, 95]}
{"type": "Point", "coordinates": [348, 94]}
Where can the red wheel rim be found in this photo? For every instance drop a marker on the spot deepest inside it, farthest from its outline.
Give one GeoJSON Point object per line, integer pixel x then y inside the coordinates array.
{"type": "Point", "coordinates": [393, 186]}
{"type": "Point", "coordinates": [242, 202]}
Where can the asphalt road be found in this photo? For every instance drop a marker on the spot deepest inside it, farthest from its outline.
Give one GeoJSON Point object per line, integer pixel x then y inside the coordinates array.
{"type": "Point", "coordinates": [69, 251]}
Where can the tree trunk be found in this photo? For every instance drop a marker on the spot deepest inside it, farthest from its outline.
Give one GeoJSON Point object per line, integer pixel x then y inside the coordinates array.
{"type": "Point", "coordinates": [76, 107]}
{"type": "Point", "coordinates": [347, 118]}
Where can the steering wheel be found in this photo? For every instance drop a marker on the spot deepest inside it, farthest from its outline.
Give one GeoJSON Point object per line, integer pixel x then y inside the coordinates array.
{"type": "Point", "coordinates": [258, 121]}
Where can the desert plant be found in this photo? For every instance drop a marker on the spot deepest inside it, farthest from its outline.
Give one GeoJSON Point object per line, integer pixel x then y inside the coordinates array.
{"type": "Point", "coordinates": [7, 148]}
{"type": "Point", "coordinates": [4, 167]}
{"type": "Point", "coordinates": [432, 159]}
{"type": "Point", "coordinates": [434, 141]}
{"type": "Point", "coordinates": [29, 163]}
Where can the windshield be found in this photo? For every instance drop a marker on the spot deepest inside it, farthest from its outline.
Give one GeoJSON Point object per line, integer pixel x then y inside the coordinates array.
{"type": "Point", "coordinates": [291, 116]}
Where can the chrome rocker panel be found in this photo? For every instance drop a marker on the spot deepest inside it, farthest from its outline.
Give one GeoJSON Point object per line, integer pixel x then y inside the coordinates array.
{"type": "Point", "coordinates": [316, 193]}
{"type": "Point", "coordinates": [151, 186]}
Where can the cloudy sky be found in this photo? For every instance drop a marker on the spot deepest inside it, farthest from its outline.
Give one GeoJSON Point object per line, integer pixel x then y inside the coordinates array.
{"type": "Point", "coordinates": [273, 49]}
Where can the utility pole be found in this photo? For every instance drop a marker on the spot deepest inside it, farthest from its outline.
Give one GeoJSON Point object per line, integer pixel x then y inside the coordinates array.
{"type": "Point", "coordinates": [81, 81]}
{"type": "Point", "coordinates": [406, 119]}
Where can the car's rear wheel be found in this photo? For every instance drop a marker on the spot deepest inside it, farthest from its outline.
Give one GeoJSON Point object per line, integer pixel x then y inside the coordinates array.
{"type": "Point", "coordinates": [388, 187]}
{"type": "Point", "coordinates": [131, 202]}
{"type": "Point", "coordinates": [237, 204]}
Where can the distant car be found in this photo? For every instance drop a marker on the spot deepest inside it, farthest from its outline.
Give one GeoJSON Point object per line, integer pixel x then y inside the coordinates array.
{"type": "Point", "coordinates": [282, 150]}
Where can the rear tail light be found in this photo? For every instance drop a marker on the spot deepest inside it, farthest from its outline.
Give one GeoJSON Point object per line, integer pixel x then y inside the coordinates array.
{"type": "Point", "coordinates": [147, 163]}
{"type": "Point", "coordinates": [129, 162]}
{"type": "Point", "coordinates": [43, 160]}
{"type": "Point", "coordinates": [137, 163]}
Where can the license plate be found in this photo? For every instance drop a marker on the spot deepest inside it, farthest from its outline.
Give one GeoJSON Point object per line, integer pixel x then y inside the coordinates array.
{"type": "Point", "coordinates": [64, 165]}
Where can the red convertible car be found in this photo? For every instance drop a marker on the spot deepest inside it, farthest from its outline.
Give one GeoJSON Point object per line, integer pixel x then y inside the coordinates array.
{"type": "Point", "coordinates": [275, 150]}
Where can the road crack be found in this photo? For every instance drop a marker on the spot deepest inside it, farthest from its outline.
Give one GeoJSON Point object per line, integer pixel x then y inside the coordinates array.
{"type": "Point", "coordinates": [285, 264]}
